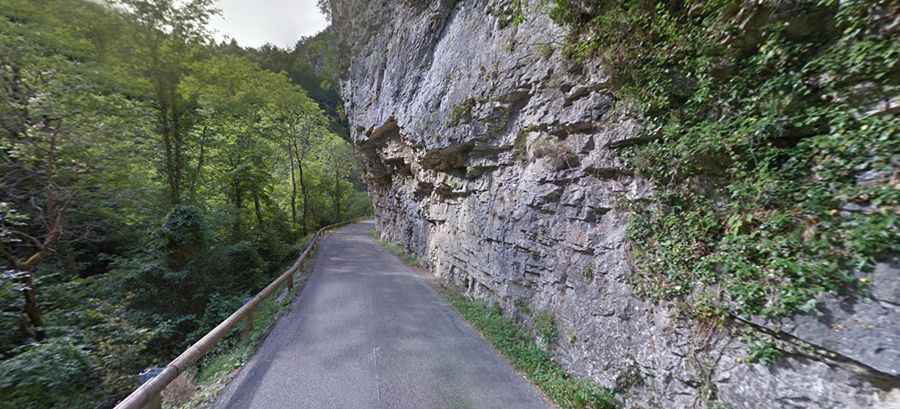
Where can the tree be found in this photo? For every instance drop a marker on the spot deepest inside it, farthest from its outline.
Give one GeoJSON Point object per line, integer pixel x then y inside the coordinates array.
{"type": "Point", "coordinates": [60, 107]}
{"type": "Point", "coordinates": [168, 36]}
{"type": "Point", "coordinates": [104, 128]}
{"type": "Point", "coordinates": [231, 93]}
{"type": "Point", "coordinates": [338, 155]}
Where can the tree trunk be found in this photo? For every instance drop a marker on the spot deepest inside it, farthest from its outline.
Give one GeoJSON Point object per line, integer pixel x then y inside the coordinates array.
{"type": "Point", "coordinates": [238, 203]}
{"type": "Point", "coordinates": [293, 187]}
{"type": "Point", "coordinates": [199, 169]}
{"type": "Point", "coordinates": [257, 208]}
{"type": "Point", "coordinates": [179, 152]}
{"type": "Point", "coordinates": [32, 309]}
{"type": "Point", "coordinates": [54, 212]}
{"type": "Point", "coordinates": [337, 195]}
{"type": "Point", "coordinates": [303, 189]}
{"type": "Point", "coordinates": [173, 140]}
{"type": "Point", "coordinates": [305, 192]}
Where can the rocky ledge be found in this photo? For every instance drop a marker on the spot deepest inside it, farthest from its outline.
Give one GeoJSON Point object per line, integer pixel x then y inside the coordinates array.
{"type": "Point", "coordinates": [494, 159]}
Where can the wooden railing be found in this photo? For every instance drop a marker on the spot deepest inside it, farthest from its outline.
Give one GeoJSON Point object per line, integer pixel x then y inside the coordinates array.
{"type": "Point", "coordinates": [148, 395]}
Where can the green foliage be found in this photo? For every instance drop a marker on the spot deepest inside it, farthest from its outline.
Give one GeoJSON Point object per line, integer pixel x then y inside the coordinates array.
{"type": "Point", "coordinates": [51, 374]}
{"type": "Point", "coordinates": [314, 64]}
{"type": "Point", "coordinates": [184, 234]}
{"type": "Point", "coordinates": [118, 348]}
{"type": "Point", "coordinates": [218, 308]}
{"type": "Point", "coordinates": [532, 360]}
{"type": "Point", "coordinates": [511, 13]}
{"type": "Point", "coordinates": [218, 367]}
{"type": "Point", "coordinates": [360, 205]}
{"type": "Point", "coordinates": [245, 267]}
{"type": "Point", "coordinates": [775, 169]}
{"type": "Point", "coordinates": [763, 351]}
{"type": "Point", "coordinates": [170, 176]}
{"type": "Point", "coordinates": [545, 325]}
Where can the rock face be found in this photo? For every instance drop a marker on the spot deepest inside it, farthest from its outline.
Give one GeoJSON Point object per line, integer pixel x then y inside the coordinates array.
{"type": "Point", "coordinates": [494, 159]}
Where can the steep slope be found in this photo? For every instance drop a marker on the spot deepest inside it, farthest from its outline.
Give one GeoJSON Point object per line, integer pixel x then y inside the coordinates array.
{"type": "Point", "coordinates": [495, 159]}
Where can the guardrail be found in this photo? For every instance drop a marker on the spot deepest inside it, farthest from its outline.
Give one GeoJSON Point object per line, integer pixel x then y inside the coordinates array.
{"type": "Point", "coordinates": [149, 395]}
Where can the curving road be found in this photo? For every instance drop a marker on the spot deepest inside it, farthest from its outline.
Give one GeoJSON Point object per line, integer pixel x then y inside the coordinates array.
{"type": "Point", "coordinates": [369, 332]}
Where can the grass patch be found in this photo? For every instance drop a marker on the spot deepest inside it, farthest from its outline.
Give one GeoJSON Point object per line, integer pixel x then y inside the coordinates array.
{"type": "Point", "coordinates": [230, 357]}
{"type": "Point", "coordinates": [545, 325]}
{"type": "Point", "coordinates": [395, 249]}
{"type": "Point", "coordinates": [528, 357]}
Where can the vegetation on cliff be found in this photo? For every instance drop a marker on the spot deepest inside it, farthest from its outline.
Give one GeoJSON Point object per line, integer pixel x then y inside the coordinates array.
{"type": "Point", "coordinates": [772, 137]}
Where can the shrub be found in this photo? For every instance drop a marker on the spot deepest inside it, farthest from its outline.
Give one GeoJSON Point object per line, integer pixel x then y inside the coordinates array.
{"type": "Point", "coordinates": [244, 270]}
{"type": "Point", "coordinates": [51, 374]}
{"type": "Point", "coordinates": [10, 315]}
{"type": "Point", "coordinates": [184, 235]}
{"type": "Point", "coordinates": [217, 310]}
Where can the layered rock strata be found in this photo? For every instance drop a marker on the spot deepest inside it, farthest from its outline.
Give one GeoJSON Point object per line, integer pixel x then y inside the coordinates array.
{"type": "Point", "coordinates": [494, 159]}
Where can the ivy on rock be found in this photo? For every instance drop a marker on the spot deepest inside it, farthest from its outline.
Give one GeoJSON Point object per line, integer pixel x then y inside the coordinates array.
{"type": "Point", "coordinates": [773, 143]}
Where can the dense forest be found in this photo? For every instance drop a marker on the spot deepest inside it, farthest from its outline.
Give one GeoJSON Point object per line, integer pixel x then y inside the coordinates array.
{"type": "Point", "coordinates": [150, 180]}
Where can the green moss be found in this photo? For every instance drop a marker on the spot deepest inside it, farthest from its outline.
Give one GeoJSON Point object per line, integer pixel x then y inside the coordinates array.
{"type": "Point", "coordinates": [528, 357]}
{"type": "Point", "coordinates": [588, 272]}
{"type": "Point", "coordinates": [772, 165]}
{"type": "Point", "coordinates": [545, 50]}
{"type": "Point", "coordinates": [520, 147]}
{"type": "Point", "coordinates": [462, 112]}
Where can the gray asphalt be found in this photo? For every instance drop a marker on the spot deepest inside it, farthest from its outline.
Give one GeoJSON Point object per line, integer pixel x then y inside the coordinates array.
{"type": "Point", "coordinates": [369, 332]}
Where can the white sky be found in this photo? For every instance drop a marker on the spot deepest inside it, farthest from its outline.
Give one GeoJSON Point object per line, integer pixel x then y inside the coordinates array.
{"type": "Point", "coordinates": [256, 22]}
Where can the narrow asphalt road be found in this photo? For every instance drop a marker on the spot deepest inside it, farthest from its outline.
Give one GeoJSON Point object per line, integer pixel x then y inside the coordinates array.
{"type": "Point", "coordinates": [369, 332]}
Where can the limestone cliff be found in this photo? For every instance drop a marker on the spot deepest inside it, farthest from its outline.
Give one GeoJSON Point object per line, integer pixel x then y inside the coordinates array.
{"type": "Point", "coordinates": [494, 159]}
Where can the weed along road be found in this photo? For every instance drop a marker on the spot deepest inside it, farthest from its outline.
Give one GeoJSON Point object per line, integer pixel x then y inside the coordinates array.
{"type": "Point", "coordinates": [370, 332]}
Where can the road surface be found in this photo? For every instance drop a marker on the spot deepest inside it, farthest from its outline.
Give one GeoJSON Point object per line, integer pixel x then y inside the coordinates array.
{"type": "Point", "coordinates": [369, 332]}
